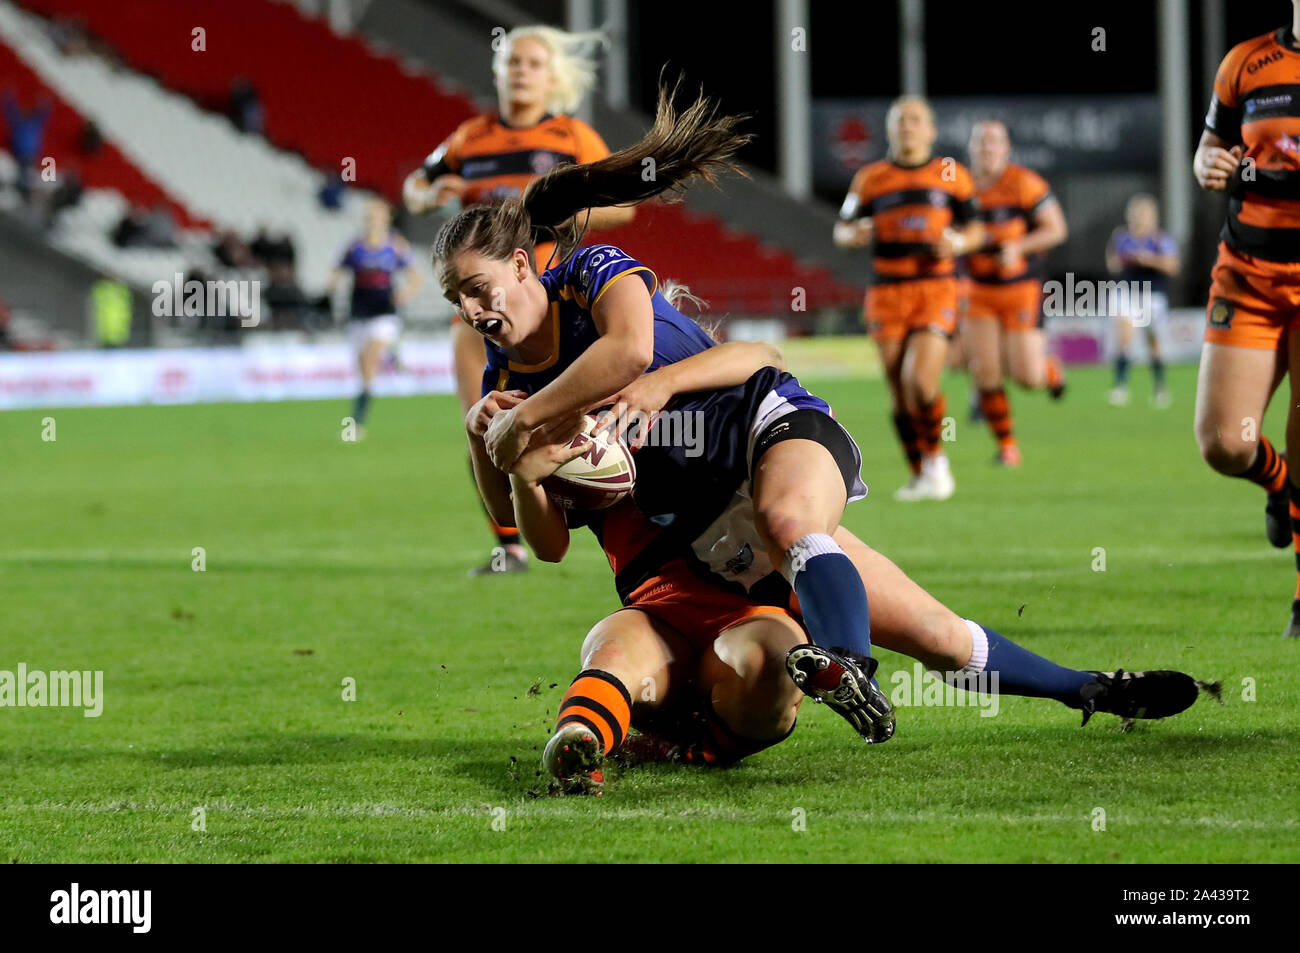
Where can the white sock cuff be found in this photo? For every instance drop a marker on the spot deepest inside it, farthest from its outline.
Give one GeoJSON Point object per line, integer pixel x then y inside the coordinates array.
{"type": "Point", "coordinates": [804, 549]}
{"type": "Point", "coordinates": [979, 648]}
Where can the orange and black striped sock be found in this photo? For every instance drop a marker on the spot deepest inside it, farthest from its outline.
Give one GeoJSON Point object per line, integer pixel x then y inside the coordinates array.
{"type": "Point", "coordinates": [907, 436]}
{"type": "Point", "coordinates": [716, 744]}
{"type": "Point", "coordinates": [506, 535]}
{"type": "Point", "coordinates": [1268, 469]}
{"type": "Point", "coordinates": [601, 702]}
{"type": "Point", "coordinates": [997, 411]}
{"type": "Point", "coordinates": [929, 424]}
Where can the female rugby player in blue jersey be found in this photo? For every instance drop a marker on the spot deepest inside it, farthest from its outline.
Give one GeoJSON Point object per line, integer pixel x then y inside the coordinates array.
{"type": "Point", "coordinates": [375, 260]}
{"type": "Point", "coordinates": [777, 466]}
{"type": "Point", "coordinates": [580, 332]}
{"type": "Point", "coordinates": [713, 650]}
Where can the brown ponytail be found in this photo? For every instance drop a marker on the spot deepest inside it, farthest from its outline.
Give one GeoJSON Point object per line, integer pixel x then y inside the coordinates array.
{"type": "Point", "coordinates": [678, 149]}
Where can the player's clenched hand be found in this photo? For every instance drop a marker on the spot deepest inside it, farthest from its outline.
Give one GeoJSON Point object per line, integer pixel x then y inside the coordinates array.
{"type": "Point", "coordinates": [506, 438]}
{"type": "Point", "coordinates": [1009, 255]}
{"type": "Point", "coordinates": [480, 415]}
{"type": "Point", "coordinates": [443, 189]}
{"type": "Point", "coordinates": [544, 456]}
{"type": "Point", "coordinates": [946, 246]}
{"type": "Point", "coordinates": [636, 407]}
{"type": "Point", "coordinates": [1215, 167]}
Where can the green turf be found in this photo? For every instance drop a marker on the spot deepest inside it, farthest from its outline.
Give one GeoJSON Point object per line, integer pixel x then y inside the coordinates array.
{"type": "Point", "coordinates": [328, 560]}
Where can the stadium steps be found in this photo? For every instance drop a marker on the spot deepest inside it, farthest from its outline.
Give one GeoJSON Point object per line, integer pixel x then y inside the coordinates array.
{"type": "Point", "coordinates": [338, 96]}
{"type": "Point", "coordinates": [217, 174]}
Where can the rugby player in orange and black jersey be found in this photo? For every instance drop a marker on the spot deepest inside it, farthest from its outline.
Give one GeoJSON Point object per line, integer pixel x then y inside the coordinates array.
{"type": "Point", "coordinates": [1250, 150]}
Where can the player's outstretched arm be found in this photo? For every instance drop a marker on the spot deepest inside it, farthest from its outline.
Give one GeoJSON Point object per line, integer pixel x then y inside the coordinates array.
{"type": "Point", "coordinates": [726, 365]}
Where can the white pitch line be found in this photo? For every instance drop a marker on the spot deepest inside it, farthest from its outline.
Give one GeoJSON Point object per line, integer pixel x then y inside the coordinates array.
{"type": "Point", "coordinates": [536, 811]}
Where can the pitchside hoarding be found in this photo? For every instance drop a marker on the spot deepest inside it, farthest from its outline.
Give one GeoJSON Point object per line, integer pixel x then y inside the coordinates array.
{"type": "Point", "coordinates": [1051, 134]}
{"type": "Point", "coordinates": [210, 374]}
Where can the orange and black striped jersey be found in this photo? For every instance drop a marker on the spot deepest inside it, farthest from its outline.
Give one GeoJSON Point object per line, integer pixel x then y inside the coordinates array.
{"type": "Point", "coordinates": [909, 207]}
{"type": "Point", "coordinates": [497, 161]}
{"type": "Point", "coordinates": [1257, 105]}
{"type": "Point", "coordinates": [1008, 208]}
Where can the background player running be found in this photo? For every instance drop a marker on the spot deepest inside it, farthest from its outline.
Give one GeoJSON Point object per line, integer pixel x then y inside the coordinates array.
{"type": "Point", "coordinates": [1144, 257]}
{"type": "Point", "coordinates": [1255, 295]}
{"type": "Point", "coordinates": [918, 214]}
{"type": "Point", "coordinates": [542, 74]}
{"type": "Point", "coordinates": [1022, 220]}
{"type": "Point", "coordinates": [374, 261]}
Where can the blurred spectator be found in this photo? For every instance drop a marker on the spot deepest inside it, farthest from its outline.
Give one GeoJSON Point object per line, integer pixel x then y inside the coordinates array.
{"type": "Point", "coordinates": [146, 229]}
{"type": "Point", "coordinates": [26, 136]}
{"type": "Point", "coordinates": [290, 309]}
{"type": "Point", "coordinates": [70, 36]}
{"type": "Point", "coordinates": [245, 108]}
{"type": "Point", "coordinates": [160, 227]}
{"type": "Point", "coordinates": [129, 231]}
{"type": "Point", "coordinates": [91, 138]}
{"type": "Point", "coordinates": [331, 193]}
{"type": "Point", "coordinates": [67, 192]}
{"type": "Point", "coordinates": [273, 251]}
{"type": "Point", "coordinates": [231, 251]}
{"type": "Point", "coordinates": [6, 343]}
{"type": "Point", "coordinates": [110, 302]}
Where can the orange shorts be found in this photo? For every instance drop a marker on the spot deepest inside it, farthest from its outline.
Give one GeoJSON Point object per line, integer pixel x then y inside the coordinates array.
{"type": "Point", "coordinates": [1015, 305]}
{"type": "Point", "coordinates": [695, 608]}
{"type": "Point", "coordinates": [896, 309]}
{"type": "Point", "coordinates": [1252, 302]}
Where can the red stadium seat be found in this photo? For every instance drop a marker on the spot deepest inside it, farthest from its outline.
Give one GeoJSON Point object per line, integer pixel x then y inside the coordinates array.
{"type": "Point", "coordinates": [336, 98]}
{"type": "Point", "coordinates": [107, 167]}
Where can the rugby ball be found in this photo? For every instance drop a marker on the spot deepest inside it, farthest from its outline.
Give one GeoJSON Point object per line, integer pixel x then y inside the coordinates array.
{"type": "Point", "coordinates": [603, 475]}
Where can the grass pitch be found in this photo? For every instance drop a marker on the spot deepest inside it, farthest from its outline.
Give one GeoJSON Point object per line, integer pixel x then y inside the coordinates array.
{"type": "Point", "coordinates": [225, 736]}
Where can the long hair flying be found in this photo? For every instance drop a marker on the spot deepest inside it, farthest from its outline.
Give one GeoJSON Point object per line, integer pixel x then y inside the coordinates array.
{"type": "Point", "coordinates": [680, 148]}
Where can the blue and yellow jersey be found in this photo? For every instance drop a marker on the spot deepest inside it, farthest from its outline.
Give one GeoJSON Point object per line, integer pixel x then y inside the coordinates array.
{"type": "Point", "coordinates": [573, 289]}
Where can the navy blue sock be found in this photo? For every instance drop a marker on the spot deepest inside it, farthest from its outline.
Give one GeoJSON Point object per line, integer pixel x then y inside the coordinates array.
{"type": "Point", "coordinates": [361, 406]}
{"type": "Point", "coordinates": [831, 596]}
{"type": "Point", "coordinates": [1021, 672]}
{"type": "Point", "coordinates": [1158, 372]}
{"type": "Point", "coordinates": [1121, 370]}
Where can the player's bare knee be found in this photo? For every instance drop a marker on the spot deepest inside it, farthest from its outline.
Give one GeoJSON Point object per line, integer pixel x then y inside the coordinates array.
{"type": "Point", "coordinates": [1225, 452]}
{"type": "Point", "coordinates": [781, 526]}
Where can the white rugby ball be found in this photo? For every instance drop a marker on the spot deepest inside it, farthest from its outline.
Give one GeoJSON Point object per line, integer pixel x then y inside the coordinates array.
{"type": "Point", "coordinates": [603, 475]}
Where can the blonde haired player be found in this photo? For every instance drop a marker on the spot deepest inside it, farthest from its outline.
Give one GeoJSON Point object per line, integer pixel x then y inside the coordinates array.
{"type": "Point", "coordinates": [1022, 220]}
{"type": "Point", "coordinates": [917, 212]}
{"type": "Point", "coordinates": [541, 74]}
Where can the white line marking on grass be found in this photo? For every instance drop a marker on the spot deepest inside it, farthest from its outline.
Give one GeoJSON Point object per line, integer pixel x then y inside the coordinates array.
{"type": "Point", "coordinates": [544, 810]}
